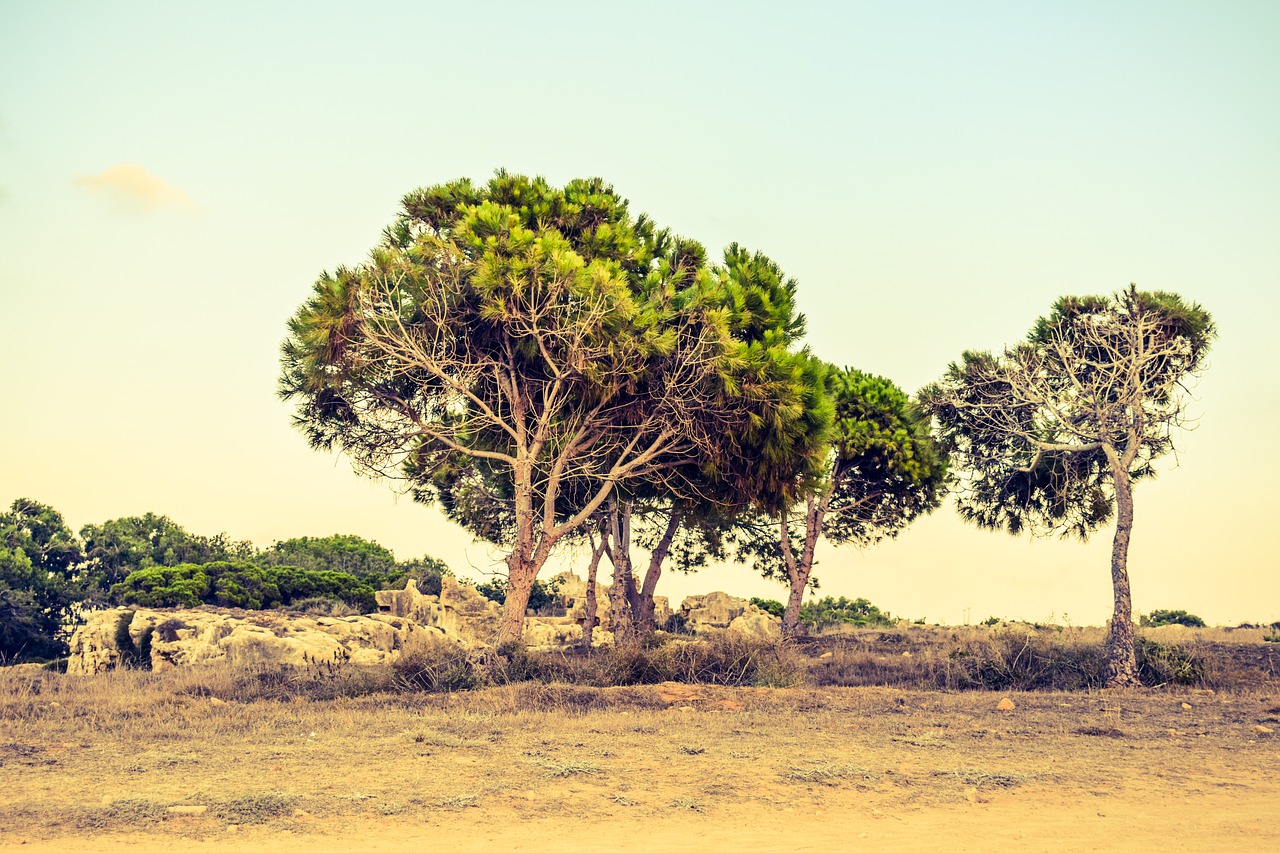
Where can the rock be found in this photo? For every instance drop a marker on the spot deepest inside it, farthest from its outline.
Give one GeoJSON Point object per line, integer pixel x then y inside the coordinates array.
{"type": "Point", "coordinates": [1263, 730]}
{"type": "Point", "coordinates": [1186, 707]}
{"type": "Point", "coordinates": [1006, 704]}
{"type": "Point", "coordinates": [826, 656]}
{"type": "Point", "coordinates": [459, 610]}
{"type": "Point", "coordinates": [215, 701]}
{"type": "Point", "coordinates": [715, 611]}
{"type": "Point", "coordinates": [210, 634]}
{"type": "Point", "coordinates": [551, 632]}
{"type": "Point", "coordinates": [759, 625]}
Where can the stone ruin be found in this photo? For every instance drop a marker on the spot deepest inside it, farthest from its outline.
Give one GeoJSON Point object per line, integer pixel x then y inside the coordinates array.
{"type": "Point", "coordinates": [459, 614]}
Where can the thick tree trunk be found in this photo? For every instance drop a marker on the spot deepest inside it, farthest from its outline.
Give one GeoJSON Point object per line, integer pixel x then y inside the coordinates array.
{"type": "Point", "coordinates": [521, 573]}
{"type": "Point", "coordinates": [1122, 660]}
{"type": "Point", "coordinates": [622, 592]}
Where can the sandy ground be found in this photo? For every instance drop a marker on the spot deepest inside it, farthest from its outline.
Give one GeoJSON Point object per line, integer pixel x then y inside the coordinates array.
{"type": "Point", "coordinates": [666, 768]}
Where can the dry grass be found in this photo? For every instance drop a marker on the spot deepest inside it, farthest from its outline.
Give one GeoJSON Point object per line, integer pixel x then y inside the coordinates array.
{"type": "Point", "coordinates": [114, 752]}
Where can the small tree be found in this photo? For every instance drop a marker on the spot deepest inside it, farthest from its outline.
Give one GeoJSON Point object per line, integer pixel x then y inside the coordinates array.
{"type": "Point", "coordinates": [1052, 434]}
{"type": "Point", "coordinates": [542, 333]}
{"type": "Point", "coordinates": [883, 471]}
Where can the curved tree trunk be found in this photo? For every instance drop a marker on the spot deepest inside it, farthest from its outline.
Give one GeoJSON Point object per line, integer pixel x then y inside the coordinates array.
{"type": "Point", "coordinates": [645, 621]}
{"type": "Point", "coordinates": [1122, 660]}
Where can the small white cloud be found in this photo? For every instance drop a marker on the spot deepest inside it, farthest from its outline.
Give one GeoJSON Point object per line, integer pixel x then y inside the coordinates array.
{"type": "Point", "coordinates": [134, 189]}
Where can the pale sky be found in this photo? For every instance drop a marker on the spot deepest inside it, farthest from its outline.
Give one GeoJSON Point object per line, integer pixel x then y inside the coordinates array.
{"type": "Point", "coordinates": [173, 178]}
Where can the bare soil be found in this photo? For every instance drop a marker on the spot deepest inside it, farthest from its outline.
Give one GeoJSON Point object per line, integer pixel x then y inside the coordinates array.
{"type": "Point", "coordinates": [96, 764]}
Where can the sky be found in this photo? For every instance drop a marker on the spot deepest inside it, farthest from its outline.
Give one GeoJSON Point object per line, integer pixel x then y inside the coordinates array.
{"type": "Point", "coordinates": [173, 178]}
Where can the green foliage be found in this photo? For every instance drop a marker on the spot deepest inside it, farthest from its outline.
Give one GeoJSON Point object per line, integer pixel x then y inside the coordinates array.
{"type": "Point", "coordinates": [1160, 664]}
{"type": "Point", "coordinates": [768, 605]}
{"type": "Point", "coordinates": [545, 595]}
{"type": "Point", "coordinates": [991, 621]}
{"type": "Point", "coordinates": [39, 583]}
{"type": "Point", "coordinates": [116, 548]}
{"type": "Point", "coordinates": [827, 611]}
{"type": "Point", "coordinates": [347, 554]}
{"type": "Point", "coordinates": [239, 584]}
{"type": "Point", "coordinates": [1156, 618]}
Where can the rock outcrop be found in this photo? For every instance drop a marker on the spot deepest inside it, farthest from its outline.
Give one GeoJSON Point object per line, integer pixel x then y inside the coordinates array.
{"type": "Point", "coordinates": [458, 610]}
{"type": "Point", "coordinates": [169, 638]}
{"type": "Point", "coordinates": [717, 611]}
{"type": "Point", "coordinates": [459, 614]}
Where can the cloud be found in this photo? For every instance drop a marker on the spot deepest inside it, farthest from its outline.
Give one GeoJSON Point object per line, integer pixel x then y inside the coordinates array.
{"type": "Point", "coordinates": [134, 189]}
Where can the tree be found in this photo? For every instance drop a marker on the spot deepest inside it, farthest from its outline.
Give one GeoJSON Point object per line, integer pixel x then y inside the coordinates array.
{"type": "Point", "coordinates": [540, 332]}
{"type": "Point", "coordinates": [1052, 434]}
{"type": "Point", "coordinates": [882, 472]}
{"type": "Point", "coordinates": [39, 584]}
{"type": "Point", "coordinates": [118, 547]}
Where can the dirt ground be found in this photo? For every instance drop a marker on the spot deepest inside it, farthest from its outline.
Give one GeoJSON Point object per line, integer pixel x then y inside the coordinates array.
{"type": "Point", "coordinates": [98, 767]}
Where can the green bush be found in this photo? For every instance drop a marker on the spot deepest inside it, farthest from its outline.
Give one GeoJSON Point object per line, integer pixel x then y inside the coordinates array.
{"type": "Point", "coordinates": [545, 595]}
{"type": "Point", "coordinates": [829, 611]}
{"type": "Point", "coordinates": [768, 605]}
{"type": "Point", "coordinates": [1156, 618]}
{"type": "Point", "coordinates": [239, 584]}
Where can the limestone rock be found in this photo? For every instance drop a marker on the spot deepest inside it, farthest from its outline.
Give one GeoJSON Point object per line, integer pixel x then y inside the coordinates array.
{"type": "Point", "coordinates": [205, 634]}
{"type": "Point", "coordinates": [758, 625]}
{"type": "Point", "coordinates": [459, 610]}
{"type": "Point", "coordinates": [711, 611]}
{"type": "Point", "coordinates": [1006, 704]}
{"type": "Point", "coordinates": [719, 610]}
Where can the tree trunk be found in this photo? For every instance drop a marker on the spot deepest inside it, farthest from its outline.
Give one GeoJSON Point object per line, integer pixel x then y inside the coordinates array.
{"type": "Point", "coordinates": [1122, 660]}
{"type": "Point", "coordinates": [589, 621]}
{"type": "Point", "coordinates": [521, 573]}
{"type": "Point", "coordinates": [797, 580]}
{"type": "Point", "coordinates": [646, 622]}
{"type": "Point", "coordinates": [622, 593]}
{"type": "Point", "coordinates": [800, 569]}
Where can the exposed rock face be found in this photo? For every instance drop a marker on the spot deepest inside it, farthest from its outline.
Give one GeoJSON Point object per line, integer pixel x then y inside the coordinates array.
{"type": "Point", "coordinates": [458, 610]}
{"type": "Point", "coordinates": [203, 635]}
{"type": "Point", "coordinates": [758, 624]}
{"type": "Point", "coordinates": [719, 611]}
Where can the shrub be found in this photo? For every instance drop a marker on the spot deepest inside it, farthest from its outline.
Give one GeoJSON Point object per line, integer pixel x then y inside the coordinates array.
{"type": "Point", "coordinates": [1156, 618]}
{"type": "Point", "coordinates": [1161, 663]}
{"type": "Point", "coordinates": [239, 584]}
{"type": "Point", "coordinates": [436, 666]}
{"type": "Point", "coordinates": [768, 605]}
{"type": "Point", "coordinates": [545, 596]}
{"type": "Point", "coordinates": [829, 611]}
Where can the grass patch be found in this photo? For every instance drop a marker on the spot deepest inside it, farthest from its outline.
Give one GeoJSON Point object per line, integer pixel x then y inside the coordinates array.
{"type": "Point", "coordinates": [830, 773]}
{"type": "Point", "coordinates": [562, 769]}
